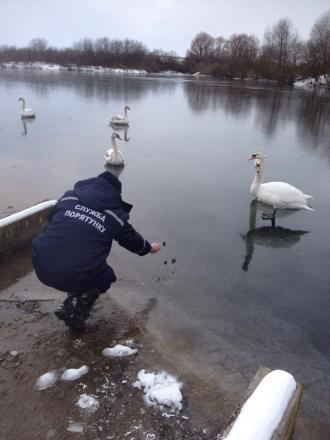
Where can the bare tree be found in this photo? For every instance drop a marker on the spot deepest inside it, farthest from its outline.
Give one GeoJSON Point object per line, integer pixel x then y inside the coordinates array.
{"type": "Point", "coordinates": [102, 51]}
{"type": "Point", "coordinates": [38, 45]}
{"type": "Point", "coordinates": [241, 52]}
{"type": "Point", "coordinates": [202, 46]}
{"type": "Point", "coordinates": [219, 48]}
{"type": "Point", "coordinates": [85, 51]}
{"type": "Point", "coordinates": [159, 60]}
{"type": "Point", "coordinates": [318, 46]}
{"type": "Point", "coordinates": [281, 44]}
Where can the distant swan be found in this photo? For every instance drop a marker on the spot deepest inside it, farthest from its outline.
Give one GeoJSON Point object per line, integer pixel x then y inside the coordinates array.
{"type": "Point", "coordinates": [278, 195]}
{"type": "Point", "coordinates": [26, 112]}
{"type": "Point", "coordinates": [119, 119]}
{"type": "Point", "coordinates": [113, 156]}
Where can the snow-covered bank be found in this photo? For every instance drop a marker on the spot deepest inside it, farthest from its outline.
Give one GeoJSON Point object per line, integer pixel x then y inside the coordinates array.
{"type": "Point", "coordinates": [263, 411]}
{"type": "Point", "coordinates": [10, 219]}
{"type": "Point", "coordinates": [49, 67]}
{"type": "Point", "coordinates": [322, 81]}
{"type": "Point", "coordinates": [70, 67]}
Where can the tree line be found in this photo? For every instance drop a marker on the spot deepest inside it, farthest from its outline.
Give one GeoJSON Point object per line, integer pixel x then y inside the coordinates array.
{"type": "Point", "coordinates": [104, 52]}
{"type": "Point", "coordinates": [281, 56]}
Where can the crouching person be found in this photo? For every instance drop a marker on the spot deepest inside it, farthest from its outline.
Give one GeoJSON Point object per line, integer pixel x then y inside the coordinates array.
{"type": "Point", "coordinates": [70, 252]}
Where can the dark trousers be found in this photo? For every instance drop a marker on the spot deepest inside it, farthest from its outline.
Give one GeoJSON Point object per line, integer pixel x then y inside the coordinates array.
{"type": "Point", "coordinates": [80, 283]}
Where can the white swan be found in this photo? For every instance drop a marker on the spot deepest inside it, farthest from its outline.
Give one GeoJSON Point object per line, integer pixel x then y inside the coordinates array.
{"type": "Point", "coordinates": [119, 119]}
{"type": "Point", "coordinates": [113, 156]}
{"type": "Point", "coordinates": [278, 195]}
{"type": "Point", "coordinates": [26, 112]}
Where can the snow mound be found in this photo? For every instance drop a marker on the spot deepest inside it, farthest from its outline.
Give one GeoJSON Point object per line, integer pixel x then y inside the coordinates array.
{"type": "Point", "coordinates": [74, 373]}
{"type": "Point", "coordinates": [88, 402]}
{"type": "Point", "coordinates": [75, 427]}
{"type": "Point", "coordinates": [119, 351]}
{"type": "Point", "coordinates": [47, 380]}
{"type": "Point", "coordinates": [161, 389]}
{"type": "Point", "coordinates": [263, 411]}
{"type": "Point", "coordinates": [305, 82]}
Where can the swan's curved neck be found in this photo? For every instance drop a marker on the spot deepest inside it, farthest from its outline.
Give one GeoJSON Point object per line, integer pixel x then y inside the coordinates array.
{"type": "Point", "coordinates": [125, 112]}
{"type": "Point", "coordinates": [257, 181]}
{"type": "Point", "coordinates": [23, 104]}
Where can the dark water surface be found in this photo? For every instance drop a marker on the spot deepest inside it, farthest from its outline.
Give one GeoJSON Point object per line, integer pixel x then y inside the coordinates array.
{"type": "Point", "coordinates": [228, 300]}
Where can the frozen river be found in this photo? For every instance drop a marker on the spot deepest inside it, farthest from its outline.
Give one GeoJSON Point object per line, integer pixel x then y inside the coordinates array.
{"type": "Point", "coordinates": [223, 300]}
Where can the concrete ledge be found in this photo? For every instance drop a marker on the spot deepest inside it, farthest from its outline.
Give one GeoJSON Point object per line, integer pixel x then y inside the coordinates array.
{"type": "Point", "coordinates": [19, 228]}
{"type": "Point", "coordinates": [286, 427]}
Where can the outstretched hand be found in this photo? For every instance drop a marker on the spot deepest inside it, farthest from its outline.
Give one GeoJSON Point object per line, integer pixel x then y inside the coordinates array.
{"type": "Point", "coordinates": [155, 247]}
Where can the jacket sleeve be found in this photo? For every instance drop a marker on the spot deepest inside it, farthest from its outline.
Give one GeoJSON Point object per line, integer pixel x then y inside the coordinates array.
{"type": "Point", "coordinates": [131, 240]}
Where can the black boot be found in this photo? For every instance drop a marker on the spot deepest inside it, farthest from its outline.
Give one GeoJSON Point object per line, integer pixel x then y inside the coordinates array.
{"type": "Point", "coordinates": [76, 308]}
{"type": "Point", "coordinates": [72, 313]}
{"type": "Point", "coordinates": [87, 299]}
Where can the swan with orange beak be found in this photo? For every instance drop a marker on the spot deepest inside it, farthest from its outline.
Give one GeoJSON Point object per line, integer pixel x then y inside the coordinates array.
{"type": "Point", "coordinates": [278, 195]}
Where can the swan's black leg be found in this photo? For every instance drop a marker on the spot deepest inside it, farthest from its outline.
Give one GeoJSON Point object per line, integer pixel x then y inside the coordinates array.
{"type": "Point", "coordinates": [273, 219]}
{"type": "Point", "coordinates": [269, 216]}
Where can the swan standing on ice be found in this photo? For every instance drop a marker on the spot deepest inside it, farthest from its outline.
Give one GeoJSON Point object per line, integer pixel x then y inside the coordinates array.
{"type": "Point", "coordinates": [278, 195]}
{"type": "Point", "coordinates": [113, 156]}
{"type": "Point", "coordinates": [119, 119]}
{"type": "Point", "coordinates": [26, 112]}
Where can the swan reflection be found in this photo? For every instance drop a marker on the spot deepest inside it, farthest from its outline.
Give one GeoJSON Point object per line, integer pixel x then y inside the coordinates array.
{"type": "Point", "coordinates": [121, 130]}
{"type": "Point", "coordinates": [267, 236]}
{"type": "Point", "coordinates": [115, 170]}
{"type": "Point", "coordinates": [25, 123]}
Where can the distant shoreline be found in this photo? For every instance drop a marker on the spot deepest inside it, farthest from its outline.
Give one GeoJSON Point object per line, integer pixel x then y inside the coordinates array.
{"type": "Point", "coordinates": [50, 67]}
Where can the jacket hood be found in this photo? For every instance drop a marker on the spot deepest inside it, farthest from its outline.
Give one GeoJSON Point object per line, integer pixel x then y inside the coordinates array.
{"type": "Point", "coordinates": [101, 192]}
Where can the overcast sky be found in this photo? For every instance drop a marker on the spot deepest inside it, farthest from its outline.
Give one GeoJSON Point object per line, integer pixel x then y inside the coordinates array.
{"type": "Point", "coordinates": [159, 24]}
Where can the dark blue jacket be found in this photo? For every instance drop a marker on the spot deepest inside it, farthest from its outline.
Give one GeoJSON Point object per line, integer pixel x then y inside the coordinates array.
{"type": "Point", "coordinates": [70, 253]}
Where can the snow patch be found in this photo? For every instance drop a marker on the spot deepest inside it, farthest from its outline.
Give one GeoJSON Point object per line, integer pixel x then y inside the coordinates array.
{"type": "Point", "coordinates": [26, 212]}
{"type": "Point", "coordinates": [263, 411]}
{"type": "Point", "coordinates": [70, 67]}
{"type": "Point", "coordinates": [88, 402]}
{"type": "Point", "coordinates": [161, 389]}
{"type": "Point", "coordinates": [322, 80]}
{"type": "Point", "coordinates": [75, 427]}
{"type": "Point", "coordinates": [47, 380]}
{"type": "Point", "coordinates": [74, 373]}
{"type": "Point", "coordinates": [14, 353]}
{"type": "Point", "coordinates": [119, 351]}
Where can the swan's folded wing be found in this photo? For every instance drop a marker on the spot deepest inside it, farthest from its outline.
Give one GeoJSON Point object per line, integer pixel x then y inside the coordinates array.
{"type": "Point", "coordinates": [281, 195]}
{"type": "Point", "coordinates": [117, 118]}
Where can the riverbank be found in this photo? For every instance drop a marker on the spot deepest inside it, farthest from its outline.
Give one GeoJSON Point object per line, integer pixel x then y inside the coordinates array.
{"type": "Point", "coordinates": [33, 342]}
{"type": "Point", "coordinates": [40, 66]}
{"type": "Point", "coordinates": [322, 82]}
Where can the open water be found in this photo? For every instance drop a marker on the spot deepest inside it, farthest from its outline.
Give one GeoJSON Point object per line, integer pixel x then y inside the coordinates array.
{"type": "Point", "coordinates": [228, 293]}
